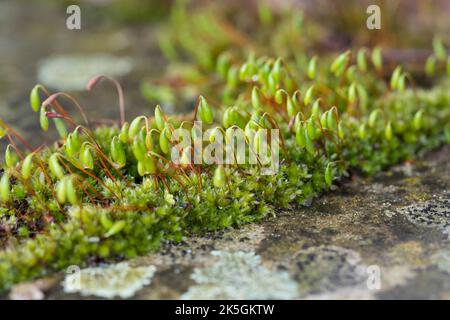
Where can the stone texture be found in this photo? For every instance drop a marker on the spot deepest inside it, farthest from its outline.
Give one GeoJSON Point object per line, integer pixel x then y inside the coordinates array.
{"type": "Point", "coordinates": [395, 223]}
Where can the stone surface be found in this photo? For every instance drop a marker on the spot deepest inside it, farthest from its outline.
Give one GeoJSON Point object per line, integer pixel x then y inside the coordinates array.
{"type": "Point", "coordinates": [396, 223]}
{"type": "Point", "coordinates": [335, 249]}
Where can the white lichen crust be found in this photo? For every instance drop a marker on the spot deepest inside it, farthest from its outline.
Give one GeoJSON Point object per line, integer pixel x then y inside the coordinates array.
{"type": "Point", "coordinates": [119, 280]}
{"type": "Point", "coordinates": [240, 275]}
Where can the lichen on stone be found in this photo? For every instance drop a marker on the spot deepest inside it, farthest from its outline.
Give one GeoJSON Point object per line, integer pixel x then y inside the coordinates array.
{"type": "Point", "coordinates": [118, 280]}
{"type": "Point", "coordinates": [442, 260]}
{"type": "Point", "coordinates": [240, 275]}
{"type": "Point", "coordinates": [326, 268]}
{"type": "Point", "coordinates": [433, 213]}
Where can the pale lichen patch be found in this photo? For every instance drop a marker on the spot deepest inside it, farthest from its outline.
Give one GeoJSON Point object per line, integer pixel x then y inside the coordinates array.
{"type": "Point", "coordinates": [433, 213]}
{"type": "Point", "coordinates": [119, 280]}
{"type": "Point", "coordinates": [240, 275]}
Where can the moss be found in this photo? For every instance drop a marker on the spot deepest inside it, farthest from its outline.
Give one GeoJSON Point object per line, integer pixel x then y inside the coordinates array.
{"type": "Point", "coordinates": [111, 192]}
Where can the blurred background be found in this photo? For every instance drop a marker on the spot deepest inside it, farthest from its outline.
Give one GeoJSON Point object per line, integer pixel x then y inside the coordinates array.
{"type": "Point", "coordinates": [123, 39]}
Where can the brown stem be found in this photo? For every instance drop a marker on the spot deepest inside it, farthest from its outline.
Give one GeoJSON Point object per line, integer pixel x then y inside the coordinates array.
{"type": "Point", "coordinates": [92, 83]}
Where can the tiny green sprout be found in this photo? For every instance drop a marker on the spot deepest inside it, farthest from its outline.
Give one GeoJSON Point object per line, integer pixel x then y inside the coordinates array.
{"type": "Point", "coordinates": [439, 49]}
{"type": "Point", "coordinates": [316, 107]}
{"type": "Point", "coordinates": [312, 68]}
{"type": "Point", "coordinates": [61, 190]}
{"type": "Point", "coordinates": [86, 158]}
{"type": "Point", "coordinates": [300, 136]}
{"type": "Point", "coordinates": [164, 141]}
{"type": "Point", "coordinates": [54, 166]}
{"type": "Point", "coordinates": [377, 58]}
{"type": "Point", "coordinates": [264, 71]}
{"type": "Point", "coordinates": [341, 132]}
{"type": "Point", "coordinates": [223, 64]}
{"type": "Point", "coordinates": [11, 157]}
{"type": "Point", "coordinates": [105, 220]}
{"type": "Point", "coordinates": [362, 131]}
{"type": "Point", "coordinates": [75, 137]}
{"type": "Point", "coordinates": [215, 133]}
{"type": "Point", "coordinates": [139, 149]}
{"type": "Point", "coordinates": [430, 66]}
{"type": "Point", "coordinates": [276, 71]}
{"type": "Point", "coordinates": [233, 77]}
{"type": "Point", "coordinates": [352, 95]}
{"type": "Point", "coordinates": [297, 97]}
{"type": "Point", "coordinates": [249, 130]}
{"type": "Point", "coordinates": [71, 146]}
{"type": "Point", "coordinates": [219, 178]}
{"type": "Point", "coordinates": [60, 127]}
{"type": "Point", "coordinates": [149, 165]}
{"type": "Point", "coordinates": [308, 95]}
{"type": "Point", "coordinates": [3, 129]}
{"type": "Point", "coordinates": [279, 95]}
{"type": "Point", "coordinates": [448, 66]}
{"type": "Point", "coordinates": [118, 152]}
{"type": "Point", "coordinates": [5, 188]}
{"type": "Point", "coordinates": [363, 96]}
{"type": "Point", "coordinates": [245, 71]}
{"type": "Point", "coordinates": [149, 139]}
{"type": "Point", "coordinates": [228, 117]}
{"type": "Point", "coordinates": [291, 108]}
{"type": "Point", "coordinates": [401, 82]}
{"type": "Point", "coordinates": [297, 122]}
{"type": "Point", "coordinates": [395, 78]}
{"type": "Point", "coordinates": [388, 131]}
{"type": "Point", "coordinates": [35, 100]}
{"type": "Point", "coordinates": [117, 227]}
{"type": "Point", "coordinates": [27, 166]}
{"type": "Point", "coordinates": [351, 73]}
{"type": "Point", "coordinates": [135, 127]}
{"type": "Point", "coordinates": [418, 120]}
{"type": "Point", "coordinates": [311, 128]}
{"type": "Point", "coordinates": [140, 168]}
{"type": "Point", "coordinates": [258, 140]}
{"type": "Point", "coordinates": [205, 112]}
{"type": "Point", "coordinates": [329, 175]}
{"type": "Point", "coordinates": [331, 118]}
{"type": "Point", "coordinates": [43, 120]}
{"type": "Point", "coordinates": [72, 196]}
{"type": "Point", "coordinates": [324, 119]}
{"type": "Point", "coordinates": [373, 117]}
{"type": "Point", "coordinates": [123, 135]}
{"type": "Point", "coordinates": [236, 118]}
{"type": "Point", "coordinates": [289, 83]}
{"type": "Point", "coordinates": [309, 144]}
{"type": "Point", "coordinates": [361, 60]}
{"type": "Point", "coordinates": [339, 64]}
{"type": "Point", "coordinates": [256, 98]}
{"type": "Point", "coordinates": [159, 118]}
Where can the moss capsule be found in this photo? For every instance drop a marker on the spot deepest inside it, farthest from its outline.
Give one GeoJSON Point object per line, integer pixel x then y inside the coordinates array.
{"type": "Point", "coordinates": [219, 178]}
{"type": "Point", "coordinates": [54, 166]}
{"type": "Point", "coordinates": [159, 118]}
{"type": "Point", "coordinates": [205, 112]}
{"type": "Point", "coordinates": [5, 188]}
{"type": "Point", "coordinates": [27, 166]}
{"type": "Point", "coordinates": [35, 100]}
